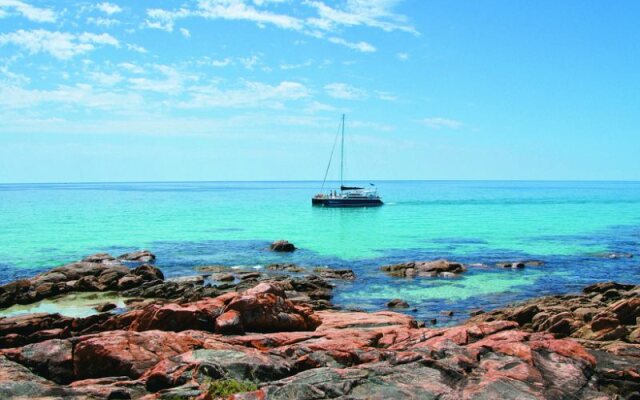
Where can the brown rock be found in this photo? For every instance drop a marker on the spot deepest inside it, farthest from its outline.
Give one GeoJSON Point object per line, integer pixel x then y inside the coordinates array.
{"type": "Point", "coordinates": [222, 277]}
{"type": "Point", "coordinates": [425, 268]}
{"type": "Point", "coordinates": [141, 256]}
{"type": "Point", "coordinates": [397, 303]}
{"type": "Point", "coordinates": [104, 307]}
{"type": "Point", "coordinates": [129, 281]}
{"type": "Point", "coordinates": [148, 272]}
{"type": "Point", "coordinates": [282, 246]}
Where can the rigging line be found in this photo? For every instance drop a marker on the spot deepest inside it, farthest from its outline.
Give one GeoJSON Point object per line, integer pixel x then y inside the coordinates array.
{"type": "Point", "coordinates": [326, 172]}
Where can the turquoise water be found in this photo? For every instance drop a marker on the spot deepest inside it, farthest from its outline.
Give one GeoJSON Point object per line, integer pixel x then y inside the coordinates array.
{"type": "Point", "coordinates": [231, 223]}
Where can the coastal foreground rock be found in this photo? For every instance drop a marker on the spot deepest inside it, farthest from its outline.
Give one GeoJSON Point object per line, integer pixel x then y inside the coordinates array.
{"type": "Point", "coordinates": [264, 341]}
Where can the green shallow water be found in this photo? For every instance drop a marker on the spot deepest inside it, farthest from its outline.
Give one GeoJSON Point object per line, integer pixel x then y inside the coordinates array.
{"type": "Point", "coordinates": [231, 223]}
{"type": "Point", "coordinates": [77, 305]}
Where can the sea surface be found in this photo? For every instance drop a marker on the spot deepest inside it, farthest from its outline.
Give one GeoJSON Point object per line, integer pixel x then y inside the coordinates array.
{"type": "Point", "coordinates": [571, 226]}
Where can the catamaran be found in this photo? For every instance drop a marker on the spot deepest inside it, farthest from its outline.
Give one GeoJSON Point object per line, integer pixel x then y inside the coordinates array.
{"type": "Point", "coordinates": [347, 196]}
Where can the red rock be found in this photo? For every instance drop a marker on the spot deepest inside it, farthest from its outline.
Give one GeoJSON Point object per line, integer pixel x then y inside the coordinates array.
{"type": "Point", "coordinates": [126, 353]}
{"type": "Point", "coordinates": [230, 322]}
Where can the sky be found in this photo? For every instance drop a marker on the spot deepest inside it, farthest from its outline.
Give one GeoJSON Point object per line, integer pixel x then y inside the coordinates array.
{"type": "Point", "coordinates": [255, 89]}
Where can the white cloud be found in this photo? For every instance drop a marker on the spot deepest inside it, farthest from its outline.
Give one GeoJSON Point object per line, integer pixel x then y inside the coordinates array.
{"type": "Point", "coordinates": [249, 62]}
{"type": "Point", "coordinates": [62, 45]}
{"type": "Point", "coordinates": [368, 13]}
{"type": "Point", "coordinates": [28, 11]}
{"type": "Point", "coordinates": [307, 63]}
{"type": "Point", "coordinates": [372, 13]}
{"type": "Point", "coordinates": [133, 68]}
{"type": "Point", "coordinates": [165, 20]}
{"type": "Point", "coordinates": [105, 79]}
{"type": "Point", "coordinates": [108, 8]}
{"type": "Point", "coordinates": [185, 32]}
{"type": "Point", "coordinates": [363, 47]}
{"type": "Point", "coordinates": [402, 56]}
{"type": "Point", "coordinates": [172, 82]}
{"type": "Point", "coordinates": [221, 9]}
{"type": "Point", "coordinates": [344, 91]}
{"type": "Point", "coordinates": [386, 96]}
{"type": "Point", "coordinates": [136, 48]}
{"type": "Point", "coordinates": [238, 10]}
{"type": "Point", "coordinates": [81, 95]}
{"type": "Point", "coordinates": [250, 95]}
{"type": "Point", "coordinates": [439, 123]}
{"type": "Point", "coordinates": [103, 22]}
{"type": "Point", "coordinates": [221, 63]}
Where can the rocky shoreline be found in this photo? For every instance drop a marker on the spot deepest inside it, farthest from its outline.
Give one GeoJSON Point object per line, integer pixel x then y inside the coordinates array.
{"type": "Point", "coordinates": [276, 335]}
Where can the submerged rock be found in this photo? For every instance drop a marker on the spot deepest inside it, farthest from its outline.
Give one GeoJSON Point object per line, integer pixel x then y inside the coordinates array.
{"type": "Point", "coordinates": [285, 267]}
{"type": "Point", "coordinates": [520, 264]}
{"type": "Point", "coordinates": [437, 268]}
{"type": "Point", "coordinates": [340, 274]}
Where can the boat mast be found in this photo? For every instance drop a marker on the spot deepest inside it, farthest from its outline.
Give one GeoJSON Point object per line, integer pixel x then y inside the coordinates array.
{"type": "Point", "coordinates": [342, 157]}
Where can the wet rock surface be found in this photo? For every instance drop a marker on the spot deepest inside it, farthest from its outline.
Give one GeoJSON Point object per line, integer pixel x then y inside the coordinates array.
{"type": "Point", "coordinates": [96, 273]}
{"type": "Point", "coordinates": [282, 246]}
{"type": "Point", "coordinates": [281, 334]}
{"type": "Point", "coordinates": [437, 268]}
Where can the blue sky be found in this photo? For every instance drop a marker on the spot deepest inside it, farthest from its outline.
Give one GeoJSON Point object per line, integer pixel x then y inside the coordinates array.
{"type": "Point", "coordinates": [254, 89]}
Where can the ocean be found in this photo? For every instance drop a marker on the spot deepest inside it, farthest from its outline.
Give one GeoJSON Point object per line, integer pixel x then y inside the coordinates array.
{"type": "Point", "coordinates": [571, 226]}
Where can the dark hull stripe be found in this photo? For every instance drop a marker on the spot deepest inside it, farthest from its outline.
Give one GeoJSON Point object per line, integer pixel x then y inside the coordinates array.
{"type": "Point", "coordinates": [346, 203]}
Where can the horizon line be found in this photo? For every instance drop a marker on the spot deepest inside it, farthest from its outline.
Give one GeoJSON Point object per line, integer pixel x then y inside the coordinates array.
{"type": "Point", "coordinates": [317, 180]}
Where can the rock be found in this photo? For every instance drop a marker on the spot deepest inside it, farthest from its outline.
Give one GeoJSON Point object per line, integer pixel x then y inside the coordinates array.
{"type": "Point", "coordinates": [258, 340]}
{"type": "Point", "coordinates": [249, 275]}
{"type": "Point", "coordinates": [104, 307]}
{"type": "Point", "coordinates": [520, 264]}
{"type": "Point", "coordinates": [634, 336]}
{"type": "Point", "coordinates": [397, 303]}
{"type": "Point", "coordinates": [51, 359]}
{"type": "Point", "coordinates": [475, 312]}
{"type": "Point", "coordinates": [585, 313]}
{"type": "Point", "coordinates": [602, 287]}
{"type": "Point", "coordinates": [148, 273]}
{"type": "Point", "coordinates": [222, 277]}
{"type": "Point", "coordinates": [515, 264]}
{"type": "Point", "coordinates": [97, 273]}
{"type": "Point", "coordinates": [424, 268]}
{"type": "Point", "coordinates": [626, 310]}
{"type": "Point", "coordinates": [212, 268]}
{"type": "Point", "coordinates": [282, 246]}
{"type": "Point", "coordinates": [129, 281]}
{"type": "Point", "coordinates": [18, 382]}
{"type": "Point", "coordinates": [126, 353]}
{"type": "Point", "coordinates": [341, 274]}
{"type": "Point", "coordinates": [141, 256]}
{"type": "Point", "coordinates": [229, 323]}
{"type": "Point", "coordinates": [285, 267]}
{"type": "Point", "coordinates": [103, 258]}
{"type": "Point", "coordinates": [524, 315]}
{"type": "Point", "coordinates": [447, 313]}
{"type": "Point", "coordinates": [613, 255]}
{"type": "Point", "coordinates": [193, 280]}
